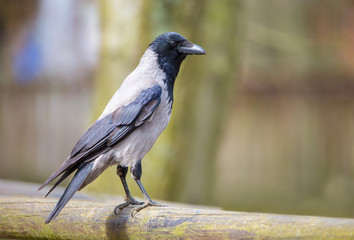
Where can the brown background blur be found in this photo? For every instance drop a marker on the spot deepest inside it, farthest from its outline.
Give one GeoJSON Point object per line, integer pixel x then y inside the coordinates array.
{"type": "Point", "coordinates": [264, 122]}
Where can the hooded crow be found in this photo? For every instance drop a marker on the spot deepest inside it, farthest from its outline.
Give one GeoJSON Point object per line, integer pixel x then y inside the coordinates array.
{"type": "Point", "coordinates": [130, 124]}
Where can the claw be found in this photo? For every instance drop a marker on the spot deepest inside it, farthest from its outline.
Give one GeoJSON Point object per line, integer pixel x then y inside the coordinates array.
{"type": "Point", "coordinates": [129, 201]}
{"type": "Point", "coordinates": [146, 204]}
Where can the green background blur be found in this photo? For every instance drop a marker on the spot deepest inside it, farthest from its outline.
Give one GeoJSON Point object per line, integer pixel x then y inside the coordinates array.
{"type": "Point", "coordinates": [264, 122]}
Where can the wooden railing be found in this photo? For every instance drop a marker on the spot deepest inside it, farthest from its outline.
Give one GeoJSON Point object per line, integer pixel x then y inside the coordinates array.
{"type": "Point", "coordinates": [23, 218]}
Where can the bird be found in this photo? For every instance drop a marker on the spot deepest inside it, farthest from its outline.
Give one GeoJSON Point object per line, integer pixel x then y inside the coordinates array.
{"type": "Point", "coordinates": [132, 120]}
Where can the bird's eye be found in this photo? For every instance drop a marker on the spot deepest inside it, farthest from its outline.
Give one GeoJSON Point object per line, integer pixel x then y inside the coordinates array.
{"type": "Point", "coordinates": [173, 43]}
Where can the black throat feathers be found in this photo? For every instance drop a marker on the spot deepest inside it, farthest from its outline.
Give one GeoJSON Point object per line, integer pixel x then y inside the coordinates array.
{"type": "Point", "coordinates": [170, 66]}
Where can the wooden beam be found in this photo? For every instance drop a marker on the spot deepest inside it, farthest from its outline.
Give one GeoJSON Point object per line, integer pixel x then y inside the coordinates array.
{"type": "Point", "coordinates": [23, 217]}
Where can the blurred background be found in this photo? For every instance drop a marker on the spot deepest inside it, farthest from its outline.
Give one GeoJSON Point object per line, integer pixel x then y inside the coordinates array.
{"type": "Point", "coordinates": [263, 123]}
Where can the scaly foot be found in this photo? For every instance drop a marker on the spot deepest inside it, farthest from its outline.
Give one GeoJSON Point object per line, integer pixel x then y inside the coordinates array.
{"type": "Point", "coordinates": [146, 204]}
{"type": "Point", "coordinates": [129, 201]}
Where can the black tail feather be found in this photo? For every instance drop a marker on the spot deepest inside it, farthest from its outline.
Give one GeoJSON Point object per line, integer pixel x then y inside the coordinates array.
{"type": "Point", "coordinates": [62, 178]}
{"type": "Point", "coordinates": [75, 183]}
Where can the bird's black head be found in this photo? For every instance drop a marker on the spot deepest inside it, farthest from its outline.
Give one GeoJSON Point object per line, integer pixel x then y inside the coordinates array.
{"type": "Point", "coordinates": [171, 49]}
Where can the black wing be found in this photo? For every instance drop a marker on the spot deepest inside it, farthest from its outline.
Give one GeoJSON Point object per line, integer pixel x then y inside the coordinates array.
{"type": "Point", "coordinates": [109, 131]}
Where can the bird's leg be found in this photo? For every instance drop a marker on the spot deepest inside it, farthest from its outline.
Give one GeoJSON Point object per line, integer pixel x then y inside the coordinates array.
{"type": "Point", "coordinates": [122, 173]}
{"type": "Point", "coordinates": [136, 174]}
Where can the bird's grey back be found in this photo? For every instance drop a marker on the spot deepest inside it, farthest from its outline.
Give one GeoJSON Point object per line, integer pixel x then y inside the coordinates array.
{"type": "Point", "coordinates": [146, 74]}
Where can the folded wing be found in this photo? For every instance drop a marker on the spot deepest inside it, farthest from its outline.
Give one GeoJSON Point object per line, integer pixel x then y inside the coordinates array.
{"type": "Point", "coordinates": [105, 133]}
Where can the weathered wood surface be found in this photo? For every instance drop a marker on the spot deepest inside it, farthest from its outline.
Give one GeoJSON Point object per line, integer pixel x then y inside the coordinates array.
{"type": "Point", "coordinates": [24, 218]}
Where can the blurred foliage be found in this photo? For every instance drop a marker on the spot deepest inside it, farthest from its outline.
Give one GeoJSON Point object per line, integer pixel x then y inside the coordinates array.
{"type": "Point", "coordinates": [263, 122]}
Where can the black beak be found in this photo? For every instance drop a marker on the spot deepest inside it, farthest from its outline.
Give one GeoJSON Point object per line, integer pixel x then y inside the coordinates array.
{"type": "Point", "coordinates": [191, 48]}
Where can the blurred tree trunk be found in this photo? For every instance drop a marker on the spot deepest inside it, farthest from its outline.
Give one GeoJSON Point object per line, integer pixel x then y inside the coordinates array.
{"type": "Point", "coordinates": [203, 93]}
{"type": "Point", "coordinates": [120, 36]}
{"type": "Point", "coordinates": [118, 52]}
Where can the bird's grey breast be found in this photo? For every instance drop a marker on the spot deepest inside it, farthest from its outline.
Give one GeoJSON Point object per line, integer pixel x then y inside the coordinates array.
{"type": "Point", "coordinates": [133, 148]}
